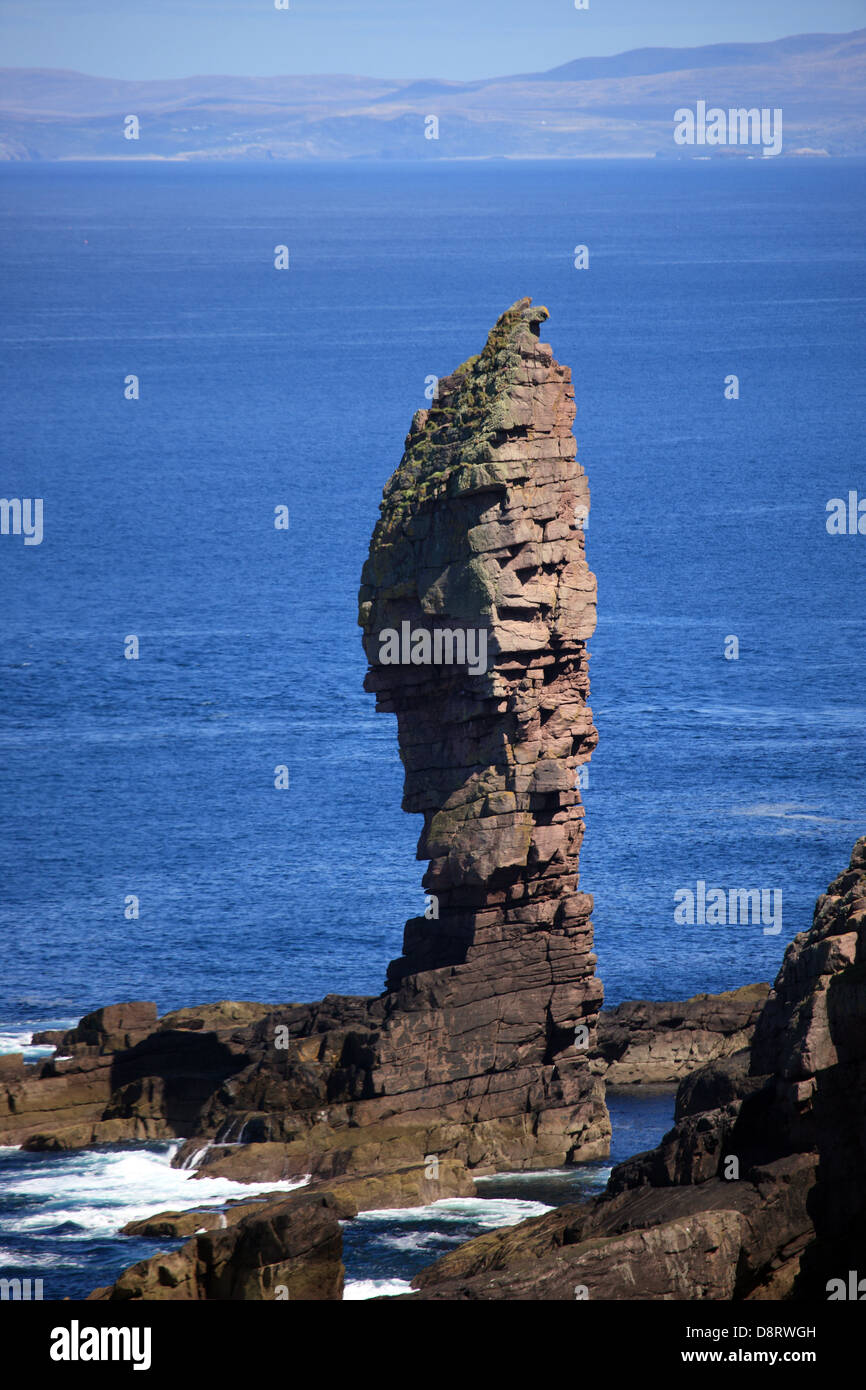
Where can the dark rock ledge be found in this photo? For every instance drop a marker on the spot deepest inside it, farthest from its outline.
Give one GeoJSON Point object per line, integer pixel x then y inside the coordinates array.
{"type": "Point", "coordinates": [289, 1249]}
{"type": "Point", "coordinates": [642, 1042]}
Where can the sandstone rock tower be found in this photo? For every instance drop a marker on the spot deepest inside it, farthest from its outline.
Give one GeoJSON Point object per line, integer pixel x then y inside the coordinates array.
{"type": "Point", "coordinates": [480, 549]}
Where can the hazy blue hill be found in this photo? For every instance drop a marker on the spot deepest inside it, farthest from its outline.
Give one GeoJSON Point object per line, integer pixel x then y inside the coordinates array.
{"type": "Point", "coordinates": [620, 105]}
{"type": "Point", "coordinates": [33, 91]}
{"type": "Point", "coordinates": [645, 62]}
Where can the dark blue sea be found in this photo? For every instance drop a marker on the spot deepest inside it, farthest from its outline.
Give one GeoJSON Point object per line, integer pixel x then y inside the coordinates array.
{"type": "Point", "coordinates": [260, 388]}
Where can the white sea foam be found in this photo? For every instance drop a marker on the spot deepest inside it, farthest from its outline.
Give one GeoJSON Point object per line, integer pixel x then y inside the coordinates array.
{"type": "Point", "coordinates": [18, 1040]}
{"type": "Point", "coordinates": [601, 1175]}
{"type": "Point", "coordinates": [528, 1174]}
{"type": "Point", "coordinates": [501, 1211]}
{"type": "Point", "coordinates": [781, 810]}
{"type": "Point", "coordinates": [375, 1288]}
{"type": "Point", "coordinates": [421, 1241]}
{"type": "Point", "coordinates": [95, 1193]}
{"type": "Point", "coordinates": [17, 1037]}
{"type": "Point", "coordinates": [42, 1259]}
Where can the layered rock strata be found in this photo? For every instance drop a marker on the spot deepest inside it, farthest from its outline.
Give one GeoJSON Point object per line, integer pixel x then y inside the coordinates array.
{"type": "Point", "coordinates": [122, 1074]}
{"type": "Point", "coordinates": [286, 1250]}
{"type": "Point", "coordinates": [476, 604]}
{"type": "Point", "coordinates": [642, 1042]}
{"type": "Point", "coordinates": [757, 1192]}
{"type": "Point", "coordinates": [479, 551]}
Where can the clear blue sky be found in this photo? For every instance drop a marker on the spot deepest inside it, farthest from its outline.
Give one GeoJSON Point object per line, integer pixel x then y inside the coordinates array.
{"type": "Point", "coordinates": [387, 38]}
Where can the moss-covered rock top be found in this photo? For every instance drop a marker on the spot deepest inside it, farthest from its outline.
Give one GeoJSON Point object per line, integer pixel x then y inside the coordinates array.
{"type": "Point", "coordinates": [449, 445]}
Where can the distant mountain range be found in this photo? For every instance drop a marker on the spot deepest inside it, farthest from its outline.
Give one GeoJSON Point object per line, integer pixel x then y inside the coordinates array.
{"type": "Point", "coordinates": [589, 107]}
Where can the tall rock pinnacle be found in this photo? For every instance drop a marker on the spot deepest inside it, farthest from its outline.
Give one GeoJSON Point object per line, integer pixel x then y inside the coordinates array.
{"type": "Point", "coordinates": [476, 605]}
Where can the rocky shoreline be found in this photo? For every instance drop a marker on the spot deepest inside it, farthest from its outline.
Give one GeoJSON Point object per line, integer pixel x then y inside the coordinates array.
{"type": "Point", "coordinates": [285, 1249]}
{"type": "Point", "coordinates": [647, 1043]}
{"type": "Point", "coordinates": [123, 1074]}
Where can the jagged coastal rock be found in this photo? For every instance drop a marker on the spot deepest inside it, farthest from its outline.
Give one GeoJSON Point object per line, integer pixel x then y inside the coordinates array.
{"type": "Point", "coordinates": [290, 1249]}
{"type": "Point", "coordinates": [757, 1192]}
{"type": "Point", "coordinates": [476, 604]}
{"type": "Point", "coordinates": [122, 1073]}
{"type": "Point", "coordinates": [480, 544]}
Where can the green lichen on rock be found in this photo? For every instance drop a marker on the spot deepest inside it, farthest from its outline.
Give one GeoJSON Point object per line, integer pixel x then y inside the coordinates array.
{"type": "Point", "coordinates": [472, 407]}
{"type": "Point", "coordinates": [450, 455]}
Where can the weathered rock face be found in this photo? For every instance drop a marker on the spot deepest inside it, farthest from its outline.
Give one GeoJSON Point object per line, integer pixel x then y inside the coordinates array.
{"type": "Point", "coordinates": [479, 551]}
{"type": "Point", "coordinates": [285, 1250]}
{"type": "Point", "coordinates": [714, 1240]}
{"type": "Point", "coordinates": [768, 1150]}
{"type": "Point", "coordinates": [811, 1039]}
{"type": "Point", "coordinates": [801, 1086]}
{"type": "Point", "coordinates": [642, 1042]}
{"type": "Point", "coordinates": [122, 1074]}
{"type": "Point", "coordinates": [478, 540]}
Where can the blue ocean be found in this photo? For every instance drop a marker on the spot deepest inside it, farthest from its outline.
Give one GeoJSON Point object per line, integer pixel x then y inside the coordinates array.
{"type": "Point", "coordinates": [258, 388]}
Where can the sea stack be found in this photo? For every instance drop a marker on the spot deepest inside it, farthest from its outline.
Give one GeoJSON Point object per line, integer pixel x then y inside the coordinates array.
{"type": "Point", "coordinates": [476, 604]}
